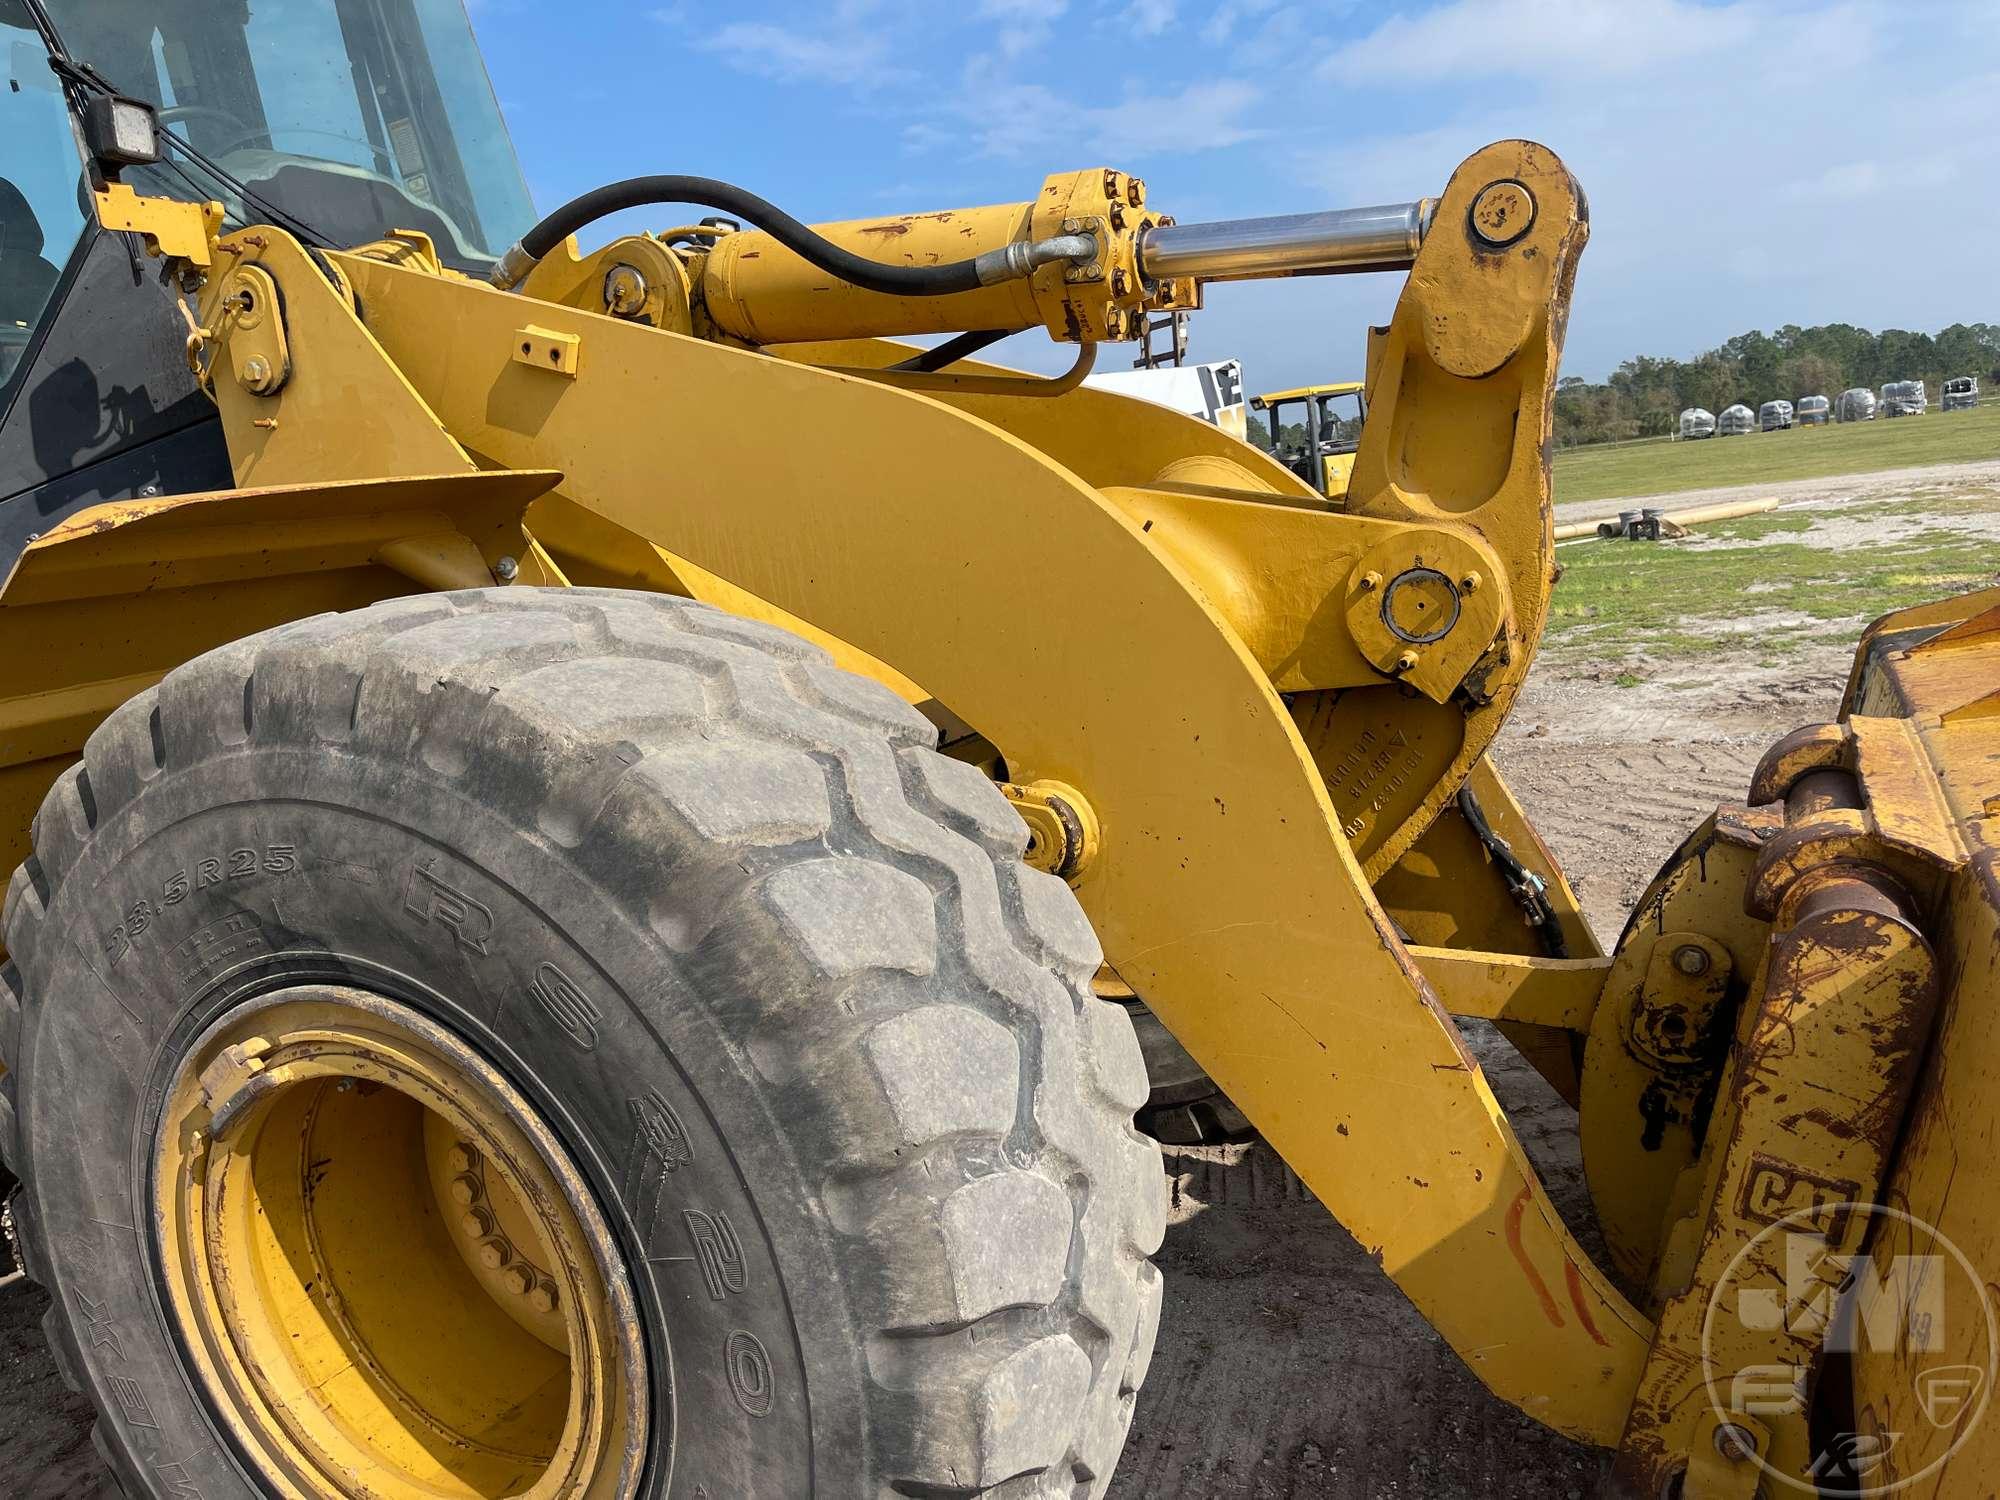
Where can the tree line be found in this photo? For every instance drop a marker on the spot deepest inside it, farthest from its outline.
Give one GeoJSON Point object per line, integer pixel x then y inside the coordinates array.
{"type": "Point", "coordinates": [1645, 396]}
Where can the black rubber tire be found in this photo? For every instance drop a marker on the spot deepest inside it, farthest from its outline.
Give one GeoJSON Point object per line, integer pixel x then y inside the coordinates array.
{"type": "Point", "coordinates": [817, 987]}
{"type": "Point", "coordinates": [1184, 1106]}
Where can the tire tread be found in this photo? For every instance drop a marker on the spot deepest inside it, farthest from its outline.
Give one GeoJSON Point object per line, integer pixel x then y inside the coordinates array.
{"type": "Point", "coordinates": [862, 881]}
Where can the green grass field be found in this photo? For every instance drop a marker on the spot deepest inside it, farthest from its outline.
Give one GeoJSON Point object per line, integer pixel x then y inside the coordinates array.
{"type": "Point", "coordinates": [1800, 572]}
{"type": "Point", "coordinates": [1614, 471]}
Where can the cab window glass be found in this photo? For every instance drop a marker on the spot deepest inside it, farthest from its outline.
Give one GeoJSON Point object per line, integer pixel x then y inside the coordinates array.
{"type": "Point", "coordinates": [356, 116]}
{"type": "Point", "coordinates": [41, 179]}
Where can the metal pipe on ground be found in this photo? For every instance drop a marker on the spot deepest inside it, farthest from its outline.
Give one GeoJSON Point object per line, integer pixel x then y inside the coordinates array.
{"type": "Point", "coordinates": [1571, 531]}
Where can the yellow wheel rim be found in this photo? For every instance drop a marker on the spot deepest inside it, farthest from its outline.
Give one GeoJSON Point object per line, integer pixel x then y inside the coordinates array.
{"type": "Point", "coordinates": [391, 1279]}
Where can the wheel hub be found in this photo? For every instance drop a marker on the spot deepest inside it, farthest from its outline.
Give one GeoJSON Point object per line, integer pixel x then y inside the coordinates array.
{"type": "Point", "coordinates": [391, 1279]}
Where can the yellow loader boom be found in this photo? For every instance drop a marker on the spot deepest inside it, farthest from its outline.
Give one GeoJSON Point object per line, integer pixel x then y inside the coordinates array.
{"type": "Point", "coordinates": [709, 1023]}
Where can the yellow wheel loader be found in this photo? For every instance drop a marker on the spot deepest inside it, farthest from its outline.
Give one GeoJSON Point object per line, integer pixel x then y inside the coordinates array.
{"type": "Point", "coordinates": [561, 950]}
{"type": "Point", "coordinates": [1328, 428]}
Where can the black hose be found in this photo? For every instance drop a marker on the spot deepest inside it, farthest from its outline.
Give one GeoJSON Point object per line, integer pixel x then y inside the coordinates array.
{"type": "Point", "coordinates": [708, 192]}
{"type": "Point", "coordinates": [951, 351]}
{"type": "Point", "coordinates": [1529, 890]}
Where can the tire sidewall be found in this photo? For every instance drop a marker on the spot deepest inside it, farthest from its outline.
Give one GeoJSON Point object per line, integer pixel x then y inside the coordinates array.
{"type": "Point", "coordinates": [257, 871]}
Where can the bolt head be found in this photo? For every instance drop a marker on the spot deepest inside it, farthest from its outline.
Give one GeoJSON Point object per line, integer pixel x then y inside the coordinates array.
{"type": "Point", "coordinates": [495, 1253]}
{"type": "Point", "coordinates": [465, 1189]}
{"type": "Point", "coordinates": [520, 1280]}
{"type": "Point", "coordinates": [476, 1225]}
{"type": "Point", "coordinates": [543, 1298]}
{"type": "Point", "coordinates": [1406, 662]}
{"type": "Point", "coordinates": [256, 370]}
{"type": "Point", "coordinates": [1370, 581]}
{"type": "Point", "coordinates": [506, 570]}
{"type": "Point", "coordinates": [1737, 1444]}
{"type": "Point", "coordinates": [1691, 959]}
{"type": "Point", "coordinates": [1469, 584]}
{"type": "Point", "coordinates": [463, 1158]}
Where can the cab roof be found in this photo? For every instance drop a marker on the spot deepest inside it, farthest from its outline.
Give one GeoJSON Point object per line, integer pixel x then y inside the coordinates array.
{"type": "Point", "coordinates": [1338, 388]}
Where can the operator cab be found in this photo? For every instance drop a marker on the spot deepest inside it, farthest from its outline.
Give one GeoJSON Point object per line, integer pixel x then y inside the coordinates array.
{"type": "Point", "coordinates": [356, 119]}
{"type": "Point", "coordinates": [1315, 431]}
{"type": "Point", "coordinates": [340, 122]}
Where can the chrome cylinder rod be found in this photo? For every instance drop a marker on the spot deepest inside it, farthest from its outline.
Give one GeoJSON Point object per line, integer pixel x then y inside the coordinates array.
{"type": "Point", "coordinates": [1342, 239]}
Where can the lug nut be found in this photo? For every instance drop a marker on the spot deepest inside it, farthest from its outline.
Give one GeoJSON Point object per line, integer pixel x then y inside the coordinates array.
{"type": "Point", "coordinates": [476, 1225]}
{"type": "Point", "coordinates": [506, 570]}
{"type": "Point", "coordinates": [463, 1158]}
{"type": "Point", "coordinates": [495, 1253]}
{"type": "Point", "coordinates": [520, 1280]}
{"type": "Point", "coordinates": [543, 1298]}
{"type": "Point", "coordinates": [464, 1189]}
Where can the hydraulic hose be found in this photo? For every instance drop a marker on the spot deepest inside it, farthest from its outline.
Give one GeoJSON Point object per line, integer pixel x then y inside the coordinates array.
{"type": "Point", "coordinates": [1007, 263]}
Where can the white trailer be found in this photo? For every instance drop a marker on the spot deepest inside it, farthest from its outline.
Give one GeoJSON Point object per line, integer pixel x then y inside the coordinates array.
{"type": "Point", "coordinates": [1213, 392]}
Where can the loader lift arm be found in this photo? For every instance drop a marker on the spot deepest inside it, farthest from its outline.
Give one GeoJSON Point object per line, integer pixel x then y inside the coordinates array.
{"type": "Point", "coordinates": [1298, 690]}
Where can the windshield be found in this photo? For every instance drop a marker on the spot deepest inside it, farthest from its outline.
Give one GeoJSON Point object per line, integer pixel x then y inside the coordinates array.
{"type": "Point", "coordinates": [1340, 422]}
{"type": "Point", "coordinates": [41, 215]}
{"type": "Point", "coordinates": [354, 116]}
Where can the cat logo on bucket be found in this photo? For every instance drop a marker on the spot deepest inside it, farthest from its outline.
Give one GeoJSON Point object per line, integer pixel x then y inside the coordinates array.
{"type": "Point", "coordinates": [1793, 1297]}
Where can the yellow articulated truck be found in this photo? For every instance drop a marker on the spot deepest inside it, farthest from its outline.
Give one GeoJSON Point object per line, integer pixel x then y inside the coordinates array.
{"type": "Point", "coordinates": [559, 948]}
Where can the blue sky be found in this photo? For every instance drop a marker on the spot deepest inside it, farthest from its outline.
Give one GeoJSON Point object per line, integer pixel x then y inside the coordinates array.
{"type": "Point", "coordinates": [1748, 164]}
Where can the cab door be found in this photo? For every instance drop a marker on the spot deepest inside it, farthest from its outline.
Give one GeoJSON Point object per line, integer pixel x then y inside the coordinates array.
{"type": "Point", "coordinates": [96, 399]}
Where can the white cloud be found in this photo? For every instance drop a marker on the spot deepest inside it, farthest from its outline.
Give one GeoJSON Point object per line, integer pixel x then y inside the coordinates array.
{"type": "Point", "coordinates": [993, 117]}
{"type": "Point", "coordinates": [1024, 24]}
{"type": "Point", "coordinates": [1747, 165]}
{"type": "Point", "coordinates": [1848, 181]}
{"type": "Point", "coordinates": [1199, 117]}
{"type": "Point", "coordinates": [1149, 17]}
{"type": "Point", "coordinates": [793, 55]}
{"type": "Point", "coordinates": [1541, 38]}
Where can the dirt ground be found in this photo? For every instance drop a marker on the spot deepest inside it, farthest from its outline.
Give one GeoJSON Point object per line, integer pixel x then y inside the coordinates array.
{"type": "Point", "coordinates": [1288, 1365]}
